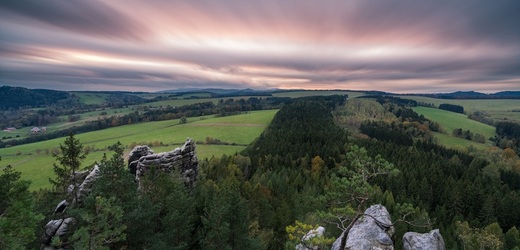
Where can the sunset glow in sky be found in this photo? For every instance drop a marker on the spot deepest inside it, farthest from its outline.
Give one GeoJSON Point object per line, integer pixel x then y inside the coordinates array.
{"type": "Point", "coordinates": [390, 45]}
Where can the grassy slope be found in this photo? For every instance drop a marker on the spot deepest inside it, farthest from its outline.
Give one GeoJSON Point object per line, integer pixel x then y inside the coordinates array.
{"type": "Point", "coordinates": [240, 129]}
{"type": "Point", "coordinates": [500, 110]}
{"type": "Point", "coordinates": [92, 98]}
{"type": "Point", "coordinates": [450, 121]}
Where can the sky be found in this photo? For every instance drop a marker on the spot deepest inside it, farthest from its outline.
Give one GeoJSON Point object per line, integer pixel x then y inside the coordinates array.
{"type": "Point", "coordinates": [401, 46]}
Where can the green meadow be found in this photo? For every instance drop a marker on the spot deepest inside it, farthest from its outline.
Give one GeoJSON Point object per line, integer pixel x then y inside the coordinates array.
{"type": "Point", "coordinates": [498, 109]}
{"type": "Point", "coordinates": [450, 121]}
{"type": "Point", "coordinates": [35, 160]}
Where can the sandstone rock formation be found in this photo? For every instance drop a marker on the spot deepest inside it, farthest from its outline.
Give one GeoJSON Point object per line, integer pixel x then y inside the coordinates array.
{"type": "Point", "coordinates": [56, 228]}
{"type": "Point", "coordinates": [427, 241]}
{"type": "Point", "coordinates": [136, 154]}
{"type": "Point", "coordinates": [183, 159]}
{"type": "Point", "coordinates": [61, 227]}
{"type": "Point", "coordinates": [372, 231]}
{"type": "Point", "coordinates": [311, 234]}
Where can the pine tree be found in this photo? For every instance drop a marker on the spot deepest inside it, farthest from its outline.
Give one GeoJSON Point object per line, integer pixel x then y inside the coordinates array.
{"type": "Point", "coordinates": [17, 217]}
{"type": "Point", "coordinates": [102, 226]}
{"type": "Point", "coordinates": [69, 160]}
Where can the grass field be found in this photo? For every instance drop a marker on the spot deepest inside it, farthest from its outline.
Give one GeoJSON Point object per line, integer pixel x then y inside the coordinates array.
{"type": "Point", "coordinates": [458, 143]}
{"type": "Point", "coordinates": [450, 121]}
{"type": "Point", "coordinates": [499, 110]}
{"type": "Point", "coordinates": [92, 98]}
{"type": "Point", "coordinates": [35, 160]}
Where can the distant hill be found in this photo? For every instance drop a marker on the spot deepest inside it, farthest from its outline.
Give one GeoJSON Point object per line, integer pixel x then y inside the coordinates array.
{"type": "Point", "coordinates": [14, 97]}
{"type": "Point", "coordinates": [474, 95]}
{"type": "Point", "coordinates": [222, 92]}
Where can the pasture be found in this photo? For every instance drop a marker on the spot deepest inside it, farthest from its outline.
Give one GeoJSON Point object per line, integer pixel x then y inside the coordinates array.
{"type": "Point", "coordinates": [450, 121]}
{"type": "Point", "coordinates": [498, 109]}
{"type": "Point", "coordinates": [35, 160]}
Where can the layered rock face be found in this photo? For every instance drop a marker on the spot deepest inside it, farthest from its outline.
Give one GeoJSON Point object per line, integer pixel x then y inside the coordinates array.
{"type": "Point", "coordinates": [428, 241]}
{"type": "Point", "coordinates": [374, 230]}
{"type": "Point", "coordinates": [318, 232]}
{"type": "Point", "coordinates": [135, 155]}
{"type": "Point", "coordinates": [61, 227]}
{"type": "Point", "coordinates": [183, 159]}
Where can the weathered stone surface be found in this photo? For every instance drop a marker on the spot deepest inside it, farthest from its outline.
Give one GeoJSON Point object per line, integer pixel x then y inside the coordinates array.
{"type": "Point", "coordinates": [61, 206]}
{"type": "Point", "coordinates": [372, 231]}
{"type": "Point", "coordinates": [427, 241]}
{"type": "Point", "coordinates": [50, 230]}
{"type": "Point", "coordinates": [311, 234]}
{"type": "Point", "coordinates": [56, 228]}
{"type": "Point", "coordinates": [65, 226]}
{"type": "Point", "coordinates": [61, 227]}
{"type": "Point", "coordinates": [85, 186]}
{"type": "Point", "coordinates": [183, 159]}
{"type": "Point", "coordinates": [136, 154]}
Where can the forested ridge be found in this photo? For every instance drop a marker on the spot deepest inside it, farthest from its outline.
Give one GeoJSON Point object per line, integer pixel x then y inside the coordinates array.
{"type": "Point", "coordinates": [253, 200]}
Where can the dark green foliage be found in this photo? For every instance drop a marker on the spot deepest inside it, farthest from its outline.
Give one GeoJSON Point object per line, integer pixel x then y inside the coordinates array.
{"type": "Point", "coordinates": [386, 132]}
{"type": "Point", "coordinates": [452, 108]}
{"type": "Point", "coordinates": [508, 136]}
{"type": "Point", "coordinates": [300, 129]}
{"type": "Point", "coordinates": [14, 97]}
{"type": "Point", "coordinates": [18, 219]}
{"type": "Point", "coordinates": [69, 160]}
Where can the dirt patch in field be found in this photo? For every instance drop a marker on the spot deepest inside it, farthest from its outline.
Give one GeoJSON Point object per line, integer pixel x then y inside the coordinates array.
{"type": "Point", "coordinates": [230, 124]}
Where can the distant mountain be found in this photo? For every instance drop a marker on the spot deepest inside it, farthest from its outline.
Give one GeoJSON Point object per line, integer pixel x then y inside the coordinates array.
{"type": "Point", "coordinates": [507, 95]}
{"type": "Point", "coordinates": [14, 97]}
{"type": "Point", "coordinates": [474, 95]}
{"type": "Point", "coordinates": [222, 92]}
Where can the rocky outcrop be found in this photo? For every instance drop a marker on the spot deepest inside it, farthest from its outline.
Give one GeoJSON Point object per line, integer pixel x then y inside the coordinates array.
{"type": "Point", "coordinates": [57, 228]}
{"type": "Point", "coordinates": [318, 232]}
{"type": "Point", "coordinates": [183, 159]}
{"type": "Point", "coordinates": [86, 185]}
{"type": "Point", "coordinates": [61, 227]}
{"type": "Point", "coordinates": [373, 230]}
{"type": "Point", "coordinates": [136, 154]}
{"type": "Point", "coordinates": [427, 241]}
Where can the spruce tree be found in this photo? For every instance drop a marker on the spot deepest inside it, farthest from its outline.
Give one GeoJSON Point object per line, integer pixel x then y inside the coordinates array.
{"type": "Point", "coordinates": [69, 160]}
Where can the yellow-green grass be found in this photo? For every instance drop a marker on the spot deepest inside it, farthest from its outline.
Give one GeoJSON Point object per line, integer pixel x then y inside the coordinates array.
{"type": "Point", "coordinates": [498, 109]}
{"type": "Point", "coordinates": [92, 98]}
{"type": "Point", "coordinates": [450, 121]}
{"type": "Point", "coordinates": [458, 143]}
{"type": "Point", "coordinates": [36, 165]}
{"type": "Point", "coordinates": [299, 93]}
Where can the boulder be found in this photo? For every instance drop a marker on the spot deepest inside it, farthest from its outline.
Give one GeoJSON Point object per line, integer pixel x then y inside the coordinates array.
{"type": "Point", "coordinates": [371, 231]}
{"type": "Point", "coordinates": [56, 228]}
{"type": "Point", "coordinates": [183, 159]}
{"type": "Point", "coordinates": [311, 234]}
{"type": "Point", "coordinates": [136, 154]}
{"type": "Point", "coordinates": [85, 186]}
{"type": "Point", "coordinates": [427, 241]}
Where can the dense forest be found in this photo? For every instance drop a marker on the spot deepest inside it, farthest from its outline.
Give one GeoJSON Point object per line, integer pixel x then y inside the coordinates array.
{"type": "Point", "coordinates": [290, 176]}
{"type": "Point", "coordinates": [453, 108]}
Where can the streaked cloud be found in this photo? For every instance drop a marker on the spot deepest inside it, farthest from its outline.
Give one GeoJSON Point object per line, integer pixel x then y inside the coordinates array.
{"type": "Point", "coordinates": [392, 45]}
